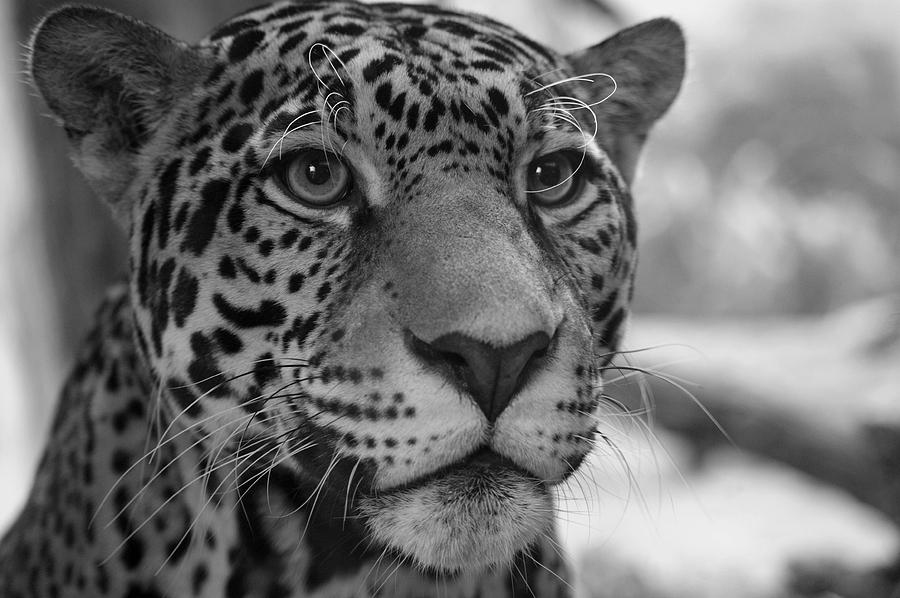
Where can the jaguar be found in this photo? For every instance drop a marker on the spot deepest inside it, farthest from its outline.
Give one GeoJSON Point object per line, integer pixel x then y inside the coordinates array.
{"type": "Point", "coordinates": [380, 256]}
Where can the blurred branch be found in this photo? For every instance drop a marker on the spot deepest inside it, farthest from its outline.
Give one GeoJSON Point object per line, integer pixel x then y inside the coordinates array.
{"type": "Point", "coordinates": [819, 395]}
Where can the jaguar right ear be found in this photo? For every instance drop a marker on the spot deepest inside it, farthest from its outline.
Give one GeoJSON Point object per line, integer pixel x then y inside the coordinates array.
{"type": "Point", "coordinates": [647, 63]}
{"type": "Point", "coordinates": [109, 79]}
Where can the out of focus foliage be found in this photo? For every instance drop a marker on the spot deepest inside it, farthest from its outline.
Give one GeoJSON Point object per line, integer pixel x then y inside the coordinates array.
{"type": "Point", "coordinates": [773, 185]}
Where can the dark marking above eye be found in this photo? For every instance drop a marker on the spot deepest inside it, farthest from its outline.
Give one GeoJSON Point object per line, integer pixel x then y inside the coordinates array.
{"type": "Point", "coordinates": [244, 44]}
{"type": "Point", "coordinates": [252, 87]}
{"type": "Point", "coordinates": [236, 137]}
{"type": "Point", "coordinates": [269, 313]}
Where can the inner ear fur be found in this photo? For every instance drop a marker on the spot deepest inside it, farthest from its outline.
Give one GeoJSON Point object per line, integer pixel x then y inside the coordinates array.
{"type": "Point", "coordinates": [647, 62]}
{"type": "Point", "coordinates": [109, 79]}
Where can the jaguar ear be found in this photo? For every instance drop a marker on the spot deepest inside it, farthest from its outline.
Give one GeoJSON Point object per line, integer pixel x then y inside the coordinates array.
{"type": "Point", "coordinates": [109, 79]}
{"type": "Point", "coordinates": [647, 63]}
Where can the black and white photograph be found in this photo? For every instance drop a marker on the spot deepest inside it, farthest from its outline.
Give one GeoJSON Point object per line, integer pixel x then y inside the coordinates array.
{"type": "Point", "coordinates": [450, 299]}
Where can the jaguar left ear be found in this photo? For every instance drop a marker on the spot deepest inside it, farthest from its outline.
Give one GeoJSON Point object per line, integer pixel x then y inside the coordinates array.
{"type": "Point", "coordinates": [647, 63]}
{"type": "Point", "coordinates": [109, 79]}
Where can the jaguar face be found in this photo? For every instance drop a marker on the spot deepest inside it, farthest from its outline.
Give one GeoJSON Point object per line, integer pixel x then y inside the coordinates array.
{"type": "Point", "coordinates": [384, 249]}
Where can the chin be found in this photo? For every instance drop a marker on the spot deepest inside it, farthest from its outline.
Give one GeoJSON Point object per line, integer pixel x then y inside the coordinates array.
{"type": "Point", "coordinates": [472, 516]}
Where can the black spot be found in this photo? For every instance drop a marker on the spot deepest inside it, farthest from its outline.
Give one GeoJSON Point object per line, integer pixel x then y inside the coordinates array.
{"type": "Point", "coordinates": [132, 552]}
{"type": "Point", "coordinates": [292, 42]}
{"type": "Point", "coordinates": [265, 247]}
{"type": "Point", "coordinates": [498, 101]}
{"type": "Point", "coordinates": [380, 66]}
{"type": "Point", "coordinates": [202, 224]}
{"type": "Point", "coordinates": [226, 267]}
{"type": "Point", "coordinates": [352, 29]}
{"type": "Point", "coordinates": [203, 369]}
{"type": "Point", "coordinates": [199, 578]}
{"type": "Point", "coordinates": [302, 328]}
{"type": "Point", "coordinates": [167, 185]}
{"type": "Point", "coordinates": [269, 313]}
{"type": "Point", "coordinates": [252, 87]}
{"type": "Point", "coordinates": [289, 238]}
{"type": "Point", "coordinates": [235, 218]}
{"type": "Point", "coordinates": [396, 109]}
{"type": "Point", "coordinates": [383, 96]}
{"type": "Point", "coordinates": [228, 341]}
{"type": "Point", "coordinates": [412, 116]}
{"type": "Point", "coordinates": [252, 235]}
{"type": "Point", "coordinates": [244, 44]}
{"type": "Point", "coordinates": [184, 297]}
{"type": "Point", "coordinates": [455, 27]}
{"type": "Point", "coordinates": [295, 282]}
{"type": "Point", "coordinates": [437, 110]}
{"type": "Point", "coordinates": [236, 137]}
{"type": "Point", "coordinates": [121, 461]}
{"type": "Point", "coordinates": [200, 160]}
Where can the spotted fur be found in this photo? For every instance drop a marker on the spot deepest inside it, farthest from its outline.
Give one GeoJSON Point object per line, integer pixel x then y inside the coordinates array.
{"type": "Point", "coordinates": [376, 397]}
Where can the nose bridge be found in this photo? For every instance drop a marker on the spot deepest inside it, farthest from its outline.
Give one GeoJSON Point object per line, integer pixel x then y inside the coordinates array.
{"type": "Point", "coordinates": [467, 265]}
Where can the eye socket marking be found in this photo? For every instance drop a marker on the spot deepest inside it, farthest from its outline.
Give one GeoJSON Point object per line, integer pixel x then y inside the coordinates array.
{"type": "Point", "coordinates": [315, 178]}
{"type": "Point", "coordinates": [555, 179]}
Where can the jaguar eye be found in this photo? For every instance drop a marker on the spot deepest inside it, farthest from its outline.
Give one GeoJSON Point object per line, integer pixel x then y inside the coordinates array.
{"type": "Point", "coordinates": [318, 179]}
{"type": "Point", "coordinates": [554, 179]}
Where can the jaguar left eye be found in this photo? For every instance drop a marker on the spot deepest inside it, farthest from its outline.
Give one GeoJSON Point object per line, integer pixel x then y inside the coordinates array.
{"type": "Point", "coordinates": [316, 178]}
{"type": "Point", "coordinates": [554, 179]}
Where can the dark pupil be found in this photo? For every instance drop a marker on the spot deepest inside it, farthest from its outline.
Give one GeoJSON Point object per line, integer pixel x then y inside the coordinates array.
{"type": "Point", "coordinates": [318, 173]}
{"type": "Point", "coordinates": [548, 173]}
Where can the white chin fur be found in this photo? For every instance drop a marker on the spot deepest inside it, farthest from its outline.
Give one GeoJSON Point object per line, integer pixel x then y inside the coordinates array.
{"type": "Point", "coordinates": [465, 521]}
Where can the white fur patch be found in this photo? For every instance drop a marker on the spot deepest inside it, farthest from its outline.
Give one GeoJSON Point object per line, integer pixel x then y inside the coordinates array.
{"type": "Point", "coordinates": [473, 518]}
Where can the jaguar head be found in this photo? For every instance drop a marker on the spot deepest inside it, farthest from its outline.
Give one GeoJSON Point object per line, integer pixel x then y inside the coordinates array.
{"type": "Point", "coordinates": [383, 250]}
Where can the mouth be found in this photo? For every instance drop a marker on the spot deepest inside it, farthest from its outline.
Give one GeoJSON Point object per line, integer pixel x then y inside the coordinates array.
{"type": "Point", "coordinates": [472, 515]}
{"type": "Point", "coordinates": [483, 462]}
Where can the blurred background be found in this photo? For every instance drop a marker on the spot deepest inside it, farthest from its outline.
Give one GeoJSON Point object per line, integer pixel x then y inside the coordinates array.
{"type": "Point", "coordinates": [767, 318]}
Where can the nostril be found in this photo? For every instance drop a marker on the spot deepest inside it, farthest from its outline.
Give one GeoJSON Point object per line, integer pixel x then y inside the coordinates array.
{"type": "Point", "coordinates": [492, 375]}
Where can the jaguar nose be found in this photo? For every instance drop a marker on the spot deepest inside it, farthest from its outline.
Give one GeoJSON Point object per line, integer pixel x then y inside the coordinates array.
{"type": "Point", "coordinates": [492, 375]}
